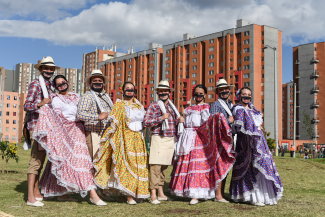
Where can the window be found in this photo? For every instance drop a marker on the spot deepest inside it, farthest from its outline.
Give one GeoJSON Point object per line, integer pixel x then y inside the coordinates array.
{"type": "Point", "coordinates": [129, 79]}
{"type": "Point", "coordinates": [246, 41]}
{"type": "Point", "coordinates": [151, 82]}
{"type": "Point", "coordinates": [194, 60]}
{"type": "Point", "coordinates": [119, 62]}
{"type": "Point", "coordinates": [14, 130]}
{"type": "Point", "coordinates": [152, 75]}
{"type": "Point", "coordinates": [186, 62]}
{"type": "Point", "coordinates": [221, 55]}
{"type": "Point", "coordinates": [194, 82]}
{"type": "Point", "coordinates": [211, 64]}
{"type": "Point", "coordinates": [246, 67]}
{"type": "Point", "coordinates": [7, 121]}
{"type": "Point", "coordinates": [7, 113]}
{"type": "Point", "coordinates": [8, 105]}
{"type": "Point", "coordinates": [130, 60]}
{"type": "Point", "coordinates": [246, 75]}
{"type": "Point", "coordinates": [13, 137]}
{"type": "Point", "coordinates": [231, 51]}
{"type": "Point", "coordinates": [130, 72]}
{"type": "Point", "coordinates": [194, 75]}
{"type": "Point", "coordinates": [118, 75]}
{"type": "Point", "coordinates": [211, 48]}
{"type": "Point", "coordinates": [246, 33]}
{"type": "Point", "coordinates": [194, 52]}
{"type": "Point", "coordinates": [130, 66]}
{"type": "Point", "coordinates": [231, 60]}
{"type": "Point", "coordinates": [167, 65]}
{"type": "Point", "coordinates": [14, 121]}
{"type": "Point", "coordinates": [194, 67]}
{"type": "Point", "coordinates": [152, 55]}
{"type": "Point", "coordinates": [246, 58]}
{"type": "Point", "coordinates": [211, 96]}
{"type": "Point", "coordinates": [119, 68]}
{"type": "Point", "coordinates": [15, 97]}
{"type": "Point", "coordinates": [195, 45]}
{"type": "Point", "coordinates": [210, 88]}
{"type": "Point", "coordinates": [152, 68]}
{"type": "Point", "coordinates": [7, 129]}
{"type": "Point", "coordinates": [152, 88]}
{"type": "Point", "coordinates": [246, 50]}
{"type": "Point", "coordinates": [246, 84]}
{"type": "Point", "coordinates": [210, 80]}
{"type": "Point", "coordinates": [167, 51]}
{"type": "Point", "coordinates": [262, 66]}
{"type": "Point", "coordinates": [8, 97]}
{"type": "Point", "coordinates": [211, 56]}
{"type": "Point", "coordinates": [152, 61]}
{"type": "Point", "coordinates": [167, 58]}
{"type": "Point", "coordinates": [211, 41]}
{"type": "Point", "coordinates": [167, 79]}
{"type": "Point", "coordinates": [151, 95]}
{"type": "Point", "coordinates": [262, 58]}
{"type": "Point", "coordinates": [239, 52]}
{"type": "Point", "coordinates": [167, 72]}
{"type": "Point", "coordinates": [211, 72]}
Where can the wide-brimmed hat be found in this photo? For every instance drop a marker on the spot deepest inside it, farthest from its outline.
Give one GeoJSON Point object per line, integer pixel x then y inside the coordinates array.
{"type": "Point", "coordinates": [164, 85]}
{"type": "Point", "coordinates": [222, 83]}
{"type": "Point", "coordinates": [46, 61]}
{"type": "Point", "coordinates": [96, 72]}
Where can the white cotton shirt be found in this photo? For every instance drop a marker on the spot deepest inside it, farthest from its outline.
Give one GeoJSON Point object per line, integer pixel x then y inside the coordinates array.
{"type": "Point", "coordinates": [136, 117]}
{"type": "Point", "coordinates": [69, 110]}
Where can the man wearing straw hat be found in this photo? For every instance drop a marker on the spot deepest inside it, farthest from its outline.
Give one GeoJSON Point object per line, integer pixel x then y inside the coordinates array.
{"type": "Point", "coordinates": [222, 105]}
{"type": "Point", "coordinates": [162, 117]}
{"type": "Point", "coordinates": [94, 108]}
{"type": "Point", "coordinates": [38, 95]}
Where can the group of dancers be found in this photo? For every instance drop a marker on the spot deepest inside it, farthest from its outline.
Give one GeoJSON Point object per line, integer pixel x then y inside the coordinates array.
{"type": "Point", "coordinates": [97, 146]}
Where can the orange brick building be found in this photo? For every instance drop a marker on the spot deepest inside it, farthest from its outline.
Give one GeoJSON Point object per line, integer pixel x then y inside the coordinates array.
{"type": "Point", "coordinates": [287, 110]}
{"type": "Point", "coordinates": [308, 63]}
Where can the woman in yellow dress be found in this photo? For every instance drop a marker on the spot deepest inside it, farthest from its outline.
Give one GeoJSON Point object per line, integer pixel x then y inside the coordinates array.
{"type": "Point", "coordinates": [121, 163]}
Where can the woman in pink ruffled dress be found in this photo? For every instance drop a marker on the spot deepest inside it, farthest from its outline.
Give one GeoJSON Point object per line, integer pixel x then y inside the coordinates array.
{"type": "Point", "coordinates": [204, 152]}
{"type": "Point", "coordinates": [69, 168]}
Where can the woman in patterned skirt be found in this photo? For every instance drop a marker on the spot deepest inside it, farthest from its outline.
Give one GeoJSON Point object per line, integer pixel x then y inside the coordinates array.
{"type": "Point", "coordinates": [201, 165]}
{"type": "Point", "coordinates": [69, 168]}
{"type": "Point", "coordinates": [255, 178]}
{"type": "Point", "coordinates": [122, 163]}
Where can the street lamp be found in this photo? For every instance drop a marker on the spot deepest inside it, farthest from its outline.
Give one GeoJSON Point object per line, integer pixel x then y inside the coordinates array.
{"type": "Point", "coordinates": [294, 117]}
{"type": "Point", "coordinates": [275, 102]}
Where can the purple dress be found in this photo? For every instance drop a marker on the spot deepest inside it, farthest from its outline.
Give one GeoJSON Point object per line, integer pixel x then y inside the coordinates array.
{"type": "Point", "coordinates": [255, 177]}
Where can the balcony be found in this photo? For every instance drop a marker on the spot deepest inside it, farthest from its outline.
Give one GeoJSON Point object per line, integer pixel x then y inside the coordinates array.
{"type": "Point", "coordinates": [315, 121]}
{"type": "Point", "coordinates": [314, 105]}
{"type": "Point", "coordinates": [314, 60]}
{"type": "Point", "coordinates": [315, 89]}
{"type": "Point", "coordinates": [297, 76]}
{"type": "Point", "coordinates": [314, 75]}
{"type": "Point", "coordinates": [315, 136]}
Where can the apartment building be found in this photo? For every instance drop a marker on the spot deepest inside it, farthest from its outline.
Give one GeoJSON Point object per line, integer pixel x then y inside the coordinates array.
{"type": "Point", "coordinates": [308, 62]}
{"type": "Point", "coordinates": [237, 55]}
{"type": "Point", "coordinates": [287, 110]}
{"type": "Point", "coordinates": [142, 68]}
{"type": "Point", "coordinates": [91, 60]}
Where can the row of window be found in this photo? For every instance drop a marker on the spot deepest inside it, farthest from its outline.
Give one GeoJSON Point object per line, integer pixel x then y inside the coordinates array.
{"type": "Point", "coordinates": [13, 129]}
{"type": "Point", "coordinates": [8, 113]}
{"type": "Point", "coordinates": [13, 121]}
{"type": "Point", "coordinates": [15, 97]}
{"type": "Point", "coordinates": [7, 137]}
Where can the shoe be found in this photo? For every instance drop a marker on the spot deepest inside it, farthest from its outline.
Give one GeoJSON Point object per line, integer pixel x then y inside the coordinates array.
{"type": "Point", "coordinates": [70, 199]}
{"type": "Point", "coordinates": [36, 204]}
{"type": "Point", "coordinates": [131, 202]}
{"type": "Point", "coordinates": [155, 202]}
{"type": "Point", "coordinates": [99, 203]}
{"type": "Point", "coordinates": [258, 204]}
{"type": "Point", "coordinates": [194, 201]}
{"type": "Point", "coordinates": [165, 199]}
{"type": "Point", "coordinates": [40, 199]}
{"type": "Point", "coordinates": [221, 201]}
{"type": "Point", "coordinates": [105, 197]}
{"type": "Point", "coordinates": [139, 200]}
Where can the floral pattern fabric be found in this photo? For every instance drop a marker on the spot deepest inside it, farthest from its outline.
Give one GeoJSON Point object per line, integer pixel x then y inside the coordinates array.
{"type": "Point", "coordinates": [197, 174]}
{"type": "Point", "coordinates": [122, 162]}
{"type": "Point", "coordinates": [255, 177]}
{"type": "Point", "coordinates": [69, 167]}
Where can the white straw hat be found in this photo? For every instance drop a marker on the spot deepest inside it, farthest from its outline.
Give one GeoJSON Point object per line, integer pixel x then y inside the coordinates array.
{"type": "Point", "coordinates": [96, 72]}
{"type": "Point", "coordinates": [164, 85]}
{"type": "Point", "coordinates": [46, 61]}
{"type": "Point", "coordinates": [222, 83]}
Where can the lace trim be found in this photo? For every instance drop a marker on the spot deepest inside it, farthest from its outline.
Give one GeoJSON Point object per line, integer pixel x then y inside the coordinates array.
{"type": "Point", "coordinates": [242, 129]}
{"type": "Point", "coordinates": [197, 193]}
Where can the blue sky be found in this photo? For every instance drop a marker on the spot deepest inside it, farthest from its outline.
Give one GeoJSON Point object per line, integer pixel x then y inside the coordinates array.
{"type": "Point", "coordinates": [68, 28]}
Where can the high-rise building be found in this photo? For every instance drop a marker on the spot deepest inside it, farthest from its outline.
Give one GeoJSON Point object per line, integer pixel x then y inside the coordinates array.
{"type": "Point", "coordinates": [143, 68]}
{"type": "Point", "coordinates": [287, 110]}
{"type": "Point", "coordinates": [308, 62]}
{"type": "Point", "coordinates": [91, 60]}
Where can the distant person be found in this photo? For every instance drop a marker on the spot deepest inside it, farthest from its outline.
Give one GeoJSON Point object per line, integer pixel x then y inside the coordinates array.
{"type": "Point", "coordinates": [306, 154]}
{"type": "Point", "coordinates": [292, 150]}
{"type": "Point", "coordinates": [282, 151]}
{"type": "Point", "coordinates": [301, 152]}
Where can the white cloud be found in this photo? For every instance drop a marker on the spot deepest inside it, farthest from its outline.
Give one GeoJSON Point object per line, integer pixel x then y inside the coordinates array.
{"type": "Point", "coordinates": [141, 22]}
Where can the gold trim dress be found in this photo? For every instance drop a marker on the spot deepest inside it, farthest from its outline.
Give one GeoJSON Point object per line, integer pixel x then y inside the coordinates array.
{"type": "Point", "coordinates": [122, 163]}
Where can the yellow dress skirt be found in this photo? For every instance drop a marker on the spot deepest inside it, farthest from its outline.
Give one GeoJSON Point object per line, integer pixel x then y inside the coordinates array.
{"type": "Point", "coordinates": [122, 162]}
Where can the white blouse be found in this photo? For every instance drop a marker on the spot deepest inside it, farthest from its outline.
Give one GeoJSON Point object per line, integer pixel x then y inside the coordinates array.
{"type": "Point", "coordinates": [69, 110]}
{"type": "Point", "coordinates": [136, 117]}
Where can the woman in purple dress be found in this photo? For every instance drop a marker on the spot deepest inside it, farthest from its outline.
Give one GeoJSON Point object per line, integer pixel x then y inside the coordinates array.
{"type": "Point", "coordinates": [255, 178]}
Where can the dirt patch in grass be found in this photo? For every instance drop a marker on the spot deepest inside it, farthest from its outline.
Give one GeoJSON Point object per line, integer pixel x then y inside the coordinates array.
{"type": "Point", "coordinates": [244, 208]}
{"type": "Point", "coordinates": [184, 211]}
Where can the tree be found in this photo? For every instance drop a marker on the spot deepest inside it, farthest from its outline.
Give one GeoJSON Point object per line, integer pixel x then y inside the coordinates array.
{"type": "Point", "coordinates": [309, 128]}
{"type": "Point", "coordinates": [11, 153]}
{"type": "Point", "coordinates": [3, 149]}
{"type": "Point", "coordinates": [270, 141]}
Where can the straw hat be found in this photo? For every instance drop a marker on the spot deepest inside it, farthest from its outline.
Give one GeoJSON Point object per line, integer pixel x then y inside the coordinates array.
{"type": "Point", "coordinates": [46, 61]}
{"type": "Point", "coordinates": [164, 85]}
{"type": "Point", "coordinates": [222, 83]}
{"type": "Point", "coordinates": [94, 73]}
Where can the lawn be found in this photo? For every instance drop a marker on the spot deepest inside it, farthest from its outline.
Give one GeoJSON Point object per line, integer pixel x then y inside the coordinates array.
{"type": "Point", "coordinates": [304, 195]}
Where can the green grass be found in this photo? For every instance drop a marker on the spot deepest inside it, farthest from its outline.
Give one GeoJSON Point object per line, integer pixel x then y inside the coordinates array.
{"type": "Point", "coordinates": [303, 181]}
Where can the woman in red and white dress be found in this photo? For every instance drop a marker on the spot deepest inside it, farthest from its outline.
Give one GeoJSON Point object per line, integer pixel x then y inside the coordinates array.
{"type": "Point", "coordinates": [204, 152]}
{"type": "Point", "coordinates": [69, 168]}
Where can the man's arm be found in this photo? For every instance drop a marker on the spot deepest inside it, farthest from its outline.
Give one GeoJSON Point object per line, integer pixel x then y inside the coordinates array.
{"type": "Point", "coordinates": [84, 112]}
{"type": "Point", "coordinates": [152, 117]}
{"type": "Point", "coordinates": [31, 102]}
{"type": "Point", "coordinates": [214, 109]}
